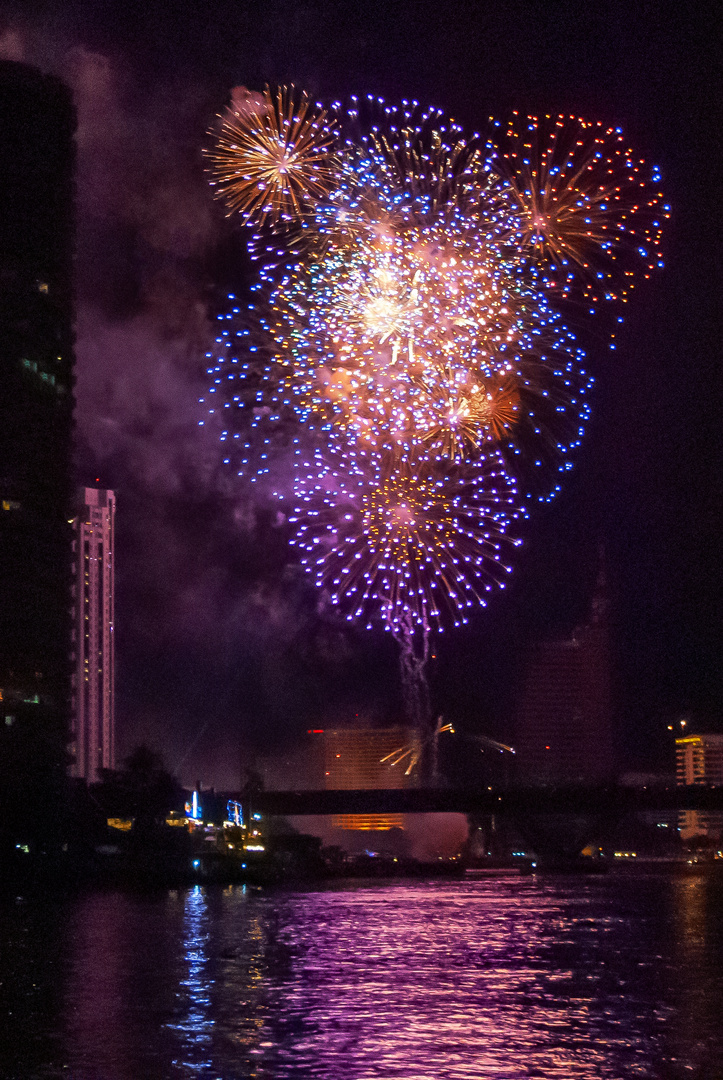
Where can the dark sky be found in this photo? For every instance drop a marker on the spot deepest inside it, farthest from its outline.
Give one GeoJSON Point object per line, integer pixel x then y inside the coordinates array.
{"type": "Point", "coordinates": [222, 649]}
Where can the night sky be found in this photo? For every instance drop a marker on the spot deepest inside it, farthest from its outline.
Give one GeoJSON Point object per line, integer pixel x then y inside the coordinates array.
{"type": "Point", "coordinates": [223, 649]}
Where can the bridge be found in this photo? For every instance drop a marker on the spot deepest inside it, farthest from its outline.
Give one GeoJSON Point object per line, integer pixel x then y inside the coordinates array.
{"type": "Point", "coordinates": [612, 800]}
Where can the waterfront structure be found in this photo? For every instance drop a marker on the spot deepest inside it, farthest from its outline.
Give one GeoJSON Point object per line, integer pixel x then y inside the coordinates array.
{"type": "Point", "coordinates": [564, 711]}
{"type": "Point", "coordinates": [699, 760]}
{"type": "Point", "coordinates": [93, 725]}
{"type": "Point", "coordinates": [37, 124]}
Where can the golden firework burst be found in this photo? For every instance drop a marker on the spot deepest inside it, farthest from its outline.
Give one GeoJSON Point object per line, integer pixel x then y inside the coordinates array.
{"type": "Point", "coordinates": [273, 158]}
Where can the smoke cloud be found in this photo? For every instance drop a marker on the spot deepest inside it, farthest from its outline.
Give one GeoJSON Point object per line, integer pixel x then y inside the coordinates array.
{"type": "Point", "coordinates": [215, 628]}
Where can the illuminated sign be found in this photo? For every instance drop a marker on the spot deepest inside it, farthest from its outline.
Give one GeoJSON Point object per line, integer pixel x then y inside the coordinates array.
{"type": "Point", "coordinates": [194, 809]}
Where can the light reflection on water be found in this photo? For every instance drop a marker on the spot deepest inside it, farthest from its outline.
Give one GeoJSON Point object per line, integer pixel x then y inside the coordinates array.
{"type": "Point", "coordinates": [194, 993]}
{"type": "Point", "coordinates": [552, 978]}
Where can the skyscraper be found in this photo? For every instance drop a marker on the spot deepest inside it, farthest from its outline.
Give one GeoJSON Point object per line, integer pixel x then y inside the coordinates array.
{"type": "Point", "coordinates": [564, 712]}
{"type": "Point", "coordinates": [93, 723]}
{"type": "Point", "coordinates": [699, 760]}
{"type": "Point", "coordinates": [37, 124]}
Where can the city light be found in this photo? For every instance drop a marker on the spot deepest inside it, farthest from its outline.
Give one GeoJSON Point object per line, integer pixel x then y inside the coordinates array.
{"type": "Point", "coordinates": [194, 810]}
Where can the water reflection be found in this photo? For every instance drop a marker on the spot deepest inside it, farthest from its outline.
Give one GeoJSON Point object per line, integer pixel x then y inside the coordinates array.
{"type": "Point", "coordinates": [124, 965]}
{"type": "Point", "coordinates": [458, 981]}
{"type": "Point", "coordinates": [194, 991]}
{"type": "Point", "coordinates": [696, 976]}
{"type": "Point", "coordinates": [97, 986]}
{"type": "Point", "coordinates": [556, 979]}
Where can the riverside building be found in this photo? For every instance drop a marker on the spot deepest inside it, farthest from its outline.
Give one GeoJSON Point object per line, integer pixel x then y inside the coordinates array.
{"type": "Point", "coordinates": [37, 161]}
{"type": "Point", "coordinates": [349, 759]}
{"type": "Point", "coordinates": [564, 711]}
{"type": "Point", "coordinates": [363, 759]}
{"type": "Point", "coordinates": [93, 725]}
{"type": "Point", "coordinates": [699, 760]}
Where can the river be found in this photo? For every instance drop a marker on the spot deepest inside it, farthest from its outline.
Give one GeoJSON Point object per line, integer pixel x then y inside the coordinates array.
{"type": "Point", "coordinates": [573, 978]}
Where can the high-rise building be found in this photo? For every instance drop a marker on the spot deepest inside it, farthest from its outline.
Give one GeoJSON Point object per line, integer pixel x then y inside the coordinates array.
{"type": "Point", "coordinates": [93, 723]}
{"type": "Point", "coordinates": [37, 124]}
{"type": "Point", "coordinates": [564, 711]}
{"type": "Point", "coordinates": [699, 760]}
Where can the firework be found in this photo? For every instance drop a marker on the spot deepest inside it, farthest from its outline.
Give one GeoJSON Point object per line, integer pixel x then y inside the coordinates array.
{"type": "Point", "coordinates": [412, 357]}
{"type": "Point", "coordinates": [405, 359]}
{"type": "Point", "coordinates": [591, 211]}
{"type": "Point", "coordinates": [409, 538]}
{"type": "Point", "coordinates": [410, 321]}
{"type": "Point", "coordinates": [472, 410]}
{"type": "Point", "coordinates": [409, 754]}
{"type": "Point", "coordinates": [432, 346]}
{"type": "Point", "coordinates": [272, 158]}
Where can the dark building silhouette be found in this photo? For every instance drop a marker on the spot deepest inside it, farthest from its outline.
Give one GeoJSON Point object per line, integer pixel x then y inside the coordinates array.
{"type": "Point", "coordinates": [564, 712]}
{"type": "Point", "coordinates": [37, 125]}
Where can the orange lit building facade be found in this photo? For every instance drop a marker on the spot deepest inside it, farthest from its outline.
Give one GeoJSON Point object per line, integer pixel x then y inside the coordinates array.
{"type": "Point", "coordinates": [348, 759]}
{"type": "Point", "coordinates": [363, 759]}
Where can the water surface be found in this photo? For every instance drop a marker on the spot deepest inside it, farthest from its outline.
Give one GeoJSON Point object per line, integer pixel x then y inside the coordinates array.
{"type": "Point", "coordinates": [563, 978]}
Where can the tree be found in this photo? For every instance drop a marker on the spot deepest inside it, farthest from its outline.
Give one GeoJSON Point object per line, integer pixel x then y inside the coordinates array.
{"type": "Point", "coordinates": [143, 789]}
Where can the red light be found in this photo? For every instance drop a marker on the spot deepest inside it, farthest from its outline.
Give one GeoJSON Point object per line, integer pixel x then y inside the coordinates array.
{"type": "Point", "coordinates": [315, 731]}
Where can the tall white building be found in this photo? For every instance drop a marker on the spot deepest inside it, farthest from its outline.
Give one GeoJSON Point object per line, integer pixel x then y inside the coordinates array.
{"type": "Point", "coordinates": [94, 675]}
